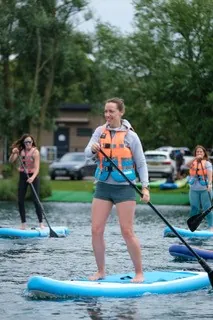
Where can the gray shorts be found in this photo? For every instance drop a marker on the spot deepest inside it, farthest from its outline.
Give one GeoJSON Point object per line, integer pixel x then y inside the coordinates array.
{"type": "Point", "coordinates": [114, 193]}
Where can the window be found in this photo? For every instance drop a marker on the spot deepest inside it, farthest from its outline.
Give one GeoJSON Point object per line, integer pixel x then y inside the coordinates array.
{"type": "Point", "coordinates": [155, 157]}
{"type": "Point", "coordinates": [84, 132]}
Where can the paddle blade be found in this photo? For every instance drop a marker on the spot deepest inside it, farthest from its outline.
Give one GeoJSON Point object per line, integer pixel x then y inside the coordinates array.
{"type": "Point", "coordinates": [53, 234]}
{"type": "Point", "coordinates": [194, 221]}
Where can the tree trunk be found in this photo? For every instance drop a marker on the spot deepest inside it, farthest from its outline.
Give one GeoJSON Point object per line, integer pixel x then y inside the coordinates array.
{"type": "Point", "coordinates": [8, 98]}
{"type": "Point", "coordinates": [37, 72]}
{"type": "Point", "coordinates": [47, 94]}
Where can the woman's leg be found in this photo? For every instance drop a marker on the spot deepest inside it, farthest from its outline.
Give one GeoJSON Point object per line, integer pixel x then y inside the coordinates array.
{"type": "Point", "coordinates": [38, 209]}
{"type": "Point", "coordinates": [195, 202]}
{"type": "Point", "coordinates": [206, 204]}
{"type": "Point", "coordinates": [22, 189]}
{"type": "Point", "coordinates": [126, 213]}
{"type": "Point", "coordinates": [100, 213]}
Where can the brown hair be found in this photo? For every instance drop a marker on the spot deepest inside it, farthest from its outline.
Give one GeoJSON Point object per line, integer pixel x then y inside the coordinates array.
{"type": "Point", "coordinates": [20, 142]}
{"type": "Point", "coordinates": [119, 102]}
{"type": "Point", "coordinates": [204, 150]}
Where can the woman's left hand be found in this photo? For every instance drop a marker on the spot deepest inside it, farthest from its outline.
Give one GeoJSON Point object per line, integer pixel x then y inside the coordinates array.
{"type": "Point", "coordinates": [146, 195]}
{"type": "Point", "coordinates": [30, 180]}
{"type": "Point", "coordinates": [209, 188]}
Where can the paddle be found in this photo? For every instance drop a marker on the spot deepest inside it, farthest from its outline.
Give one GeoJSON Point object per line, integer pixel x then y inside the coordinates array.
{"type": "Point", "coordinates": [201, 261]}
{"type": "Point", "coordinates": [194, 221]}
{"type": "Point", "coordinates": [53, 234]}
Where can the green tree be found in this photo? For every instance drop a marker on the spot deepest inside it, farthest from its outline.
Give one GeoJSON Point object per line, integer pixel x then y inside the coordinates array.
{"type": "Point", "coordinates": [36, 34]}
{"type": "Point", "coordinates": [163, 70]}
{"type": "Point", "coordinates": [176, 39]}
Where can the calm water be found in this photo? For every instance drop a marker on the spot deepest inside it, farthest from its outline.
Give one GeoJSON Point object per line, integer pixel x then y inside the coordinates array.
{"type": "Point", "coordinates": [72, 257]}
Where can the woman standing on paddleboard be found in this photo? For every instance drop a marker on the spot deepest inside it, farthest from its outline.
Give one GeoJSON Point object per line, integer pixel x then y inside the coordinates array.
{"type": "Point", "coordinates": [24, 149]}
{"type": "Point", "coordinates": [120, 143]}
{"type": "Point", "coordinates": [200, 182]}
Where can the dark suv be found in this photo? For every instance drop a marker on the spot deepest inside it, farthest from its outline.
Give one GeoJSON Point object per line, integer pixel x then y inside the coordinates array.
{"type": "Point", "coordinates": [73, 165]}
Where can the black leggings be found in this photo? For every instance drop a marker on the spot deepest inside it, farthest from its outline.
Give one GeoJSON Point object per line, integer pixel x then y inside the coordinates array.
{"type": "Point", "coordinates": [22, 189]}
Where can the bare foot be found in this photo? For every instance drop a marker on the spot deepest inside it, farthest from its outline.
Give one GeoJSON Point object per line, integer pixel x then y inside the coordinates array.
{"type": "Point", "coordinates": [41, 226]}
{"type": "Point", "coordinates": [138, 278]}
{"type": "Point", "coordinates": [23, 226]}
{"type": "Point", "coordinates": [97, 276]}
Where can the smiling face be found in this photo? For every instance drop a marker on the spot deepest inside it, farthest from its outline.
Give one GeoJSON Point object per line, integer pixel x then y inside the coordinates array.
{"type": "Point", "coordinates": [113, 114]}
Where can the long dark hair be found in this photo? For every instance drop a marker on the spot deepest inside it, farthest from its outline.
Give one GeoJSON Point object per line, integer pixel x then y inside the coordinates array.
{"type": "Point", "coordinates": [20, 142]}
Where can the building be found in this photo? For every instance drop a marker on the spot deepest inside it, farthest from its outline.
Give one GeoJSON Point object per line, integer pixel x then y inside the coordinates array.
{"type": "Point", "coordinates": [73, 128]}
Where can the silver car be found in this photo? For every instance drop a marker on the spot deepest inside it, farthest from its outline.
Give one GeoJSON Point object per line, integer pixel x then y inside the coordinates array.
{"type": "Point", "coordinates": [160, 164]}
{"type": "Point", "coordinates": [73, 165]}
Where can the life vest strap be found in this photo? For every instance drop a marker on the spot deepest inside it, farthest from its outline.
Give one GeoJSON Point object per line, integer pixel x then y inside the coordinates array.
{"type": "Point", "coordinates": [112, 145]}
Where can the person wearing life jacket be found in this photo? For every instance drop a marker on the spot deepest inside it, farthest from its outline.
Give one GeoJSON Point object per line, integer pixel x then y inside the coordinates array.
{"type": "Point", "coordinates": [200, 182]}
{"type": "Point", "coordinates": [117, 139]}
{"type": "Point", "coordinates": [25, 148]}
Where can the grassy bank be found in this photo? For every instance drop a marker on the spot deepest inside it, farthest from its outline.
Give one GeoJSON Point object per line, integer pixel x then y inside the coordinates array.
{"type": "Point", "coordinates": [85, 185]}
{"type": "Point", "coordinates": [49, 189]}
{"type": "Point", "coordinates": [82, 191]}
{"type": "Point", "coordinates": [72, 185]}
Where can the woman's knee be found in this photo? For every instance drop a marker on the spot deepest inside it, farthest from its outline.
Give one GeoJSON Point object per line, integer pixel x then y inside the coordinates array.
{"type": "Point", "coordinates": [97, 230]}
{"type": "Point", "coordinates": [127, 232]}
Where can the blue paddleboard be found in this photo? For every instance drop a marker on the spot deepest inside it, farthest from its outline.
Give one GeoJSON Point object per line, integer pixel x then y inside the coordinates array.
{"type": "Point", "coordinates": [120, 285]}
{"type": "Point", "coordinates": [187, 233]}
{"type": "Point", "coordinates": [6, 232]}
{"type": "Point", "coordinates": [181, 251]}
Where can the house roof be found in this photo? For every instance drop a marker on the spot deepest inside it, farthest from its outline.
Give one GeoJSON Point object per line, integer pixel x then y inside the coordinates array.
{"type": "Point", "coordinates": [74, 106]}
{"type": "Point", "coordinates": [71, 119]}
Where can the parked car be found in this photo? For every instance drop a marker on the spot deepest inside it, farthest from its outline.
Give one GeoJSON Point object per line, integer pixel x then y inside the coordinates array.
{"type": "Point", "coordinates": [73, 165]}
{"type": "Point", "coordinates": [173, 151]}
{"type": "Point", "coordinates": [160, 164]}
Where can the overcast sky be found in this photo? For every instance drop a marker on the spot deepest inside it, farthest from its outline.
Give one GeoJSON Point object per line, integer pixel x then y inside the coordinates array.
{"type": "Point", "coordinates": [117, 12]}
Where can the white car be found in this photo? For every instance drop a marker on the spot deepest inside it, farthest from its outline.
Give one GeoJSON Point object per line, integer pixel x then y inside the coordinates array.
{"type": "Point", "coordinates": [173, 150]}
{"type": "Point", "coordinates": [160, 164]}
{"type": "Point", "coordinates": [187, 156]}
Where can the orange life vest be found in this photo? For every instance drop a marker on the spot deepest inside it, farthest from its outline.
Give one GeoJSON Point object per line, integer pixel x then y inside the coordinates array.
{"type": "Point", "coordinates": [198, 168]}
{"type": "Point", "coordinates": [114, 147]}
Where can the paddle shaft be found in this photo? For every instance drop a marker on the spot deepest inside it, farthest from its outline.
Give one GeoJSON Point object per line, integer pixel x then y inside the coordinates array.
{"type": "Point", "coordinates": [52, 232]}
{"type": "Point", "coordinates": [206, 182]}
{"type": "Point", "coordinates": [200, 260]}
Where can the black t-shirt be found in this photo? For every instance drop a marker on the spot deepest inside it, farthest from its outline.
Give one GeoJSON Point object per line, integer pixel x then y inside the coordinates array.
{"type": "Point", "coordinates": [179, 158]}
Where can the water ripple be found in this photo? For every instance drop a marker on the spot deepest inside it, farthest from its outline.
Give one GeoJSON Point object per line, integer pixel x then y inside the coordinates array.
{"type": "Point", "coordinates": [72, 257]}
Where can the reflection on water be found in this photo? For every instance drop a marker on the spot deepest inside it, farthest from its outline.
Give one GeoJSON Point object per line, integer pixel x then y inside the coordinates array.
{"type": "Point", "coordinates": [128, 311]}
{"type": "Point", "coordinates": [72, 257]}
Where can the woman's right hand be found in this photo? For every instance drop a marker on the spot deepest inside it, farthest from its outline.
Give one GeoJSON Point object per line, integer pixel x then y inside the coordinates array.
{"type": "Point", "coordinates": [199, 158]}
{"type": "Point", "coordinates": [15, 151]}
{"type": "Point", "coordinates": [95, 147]}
